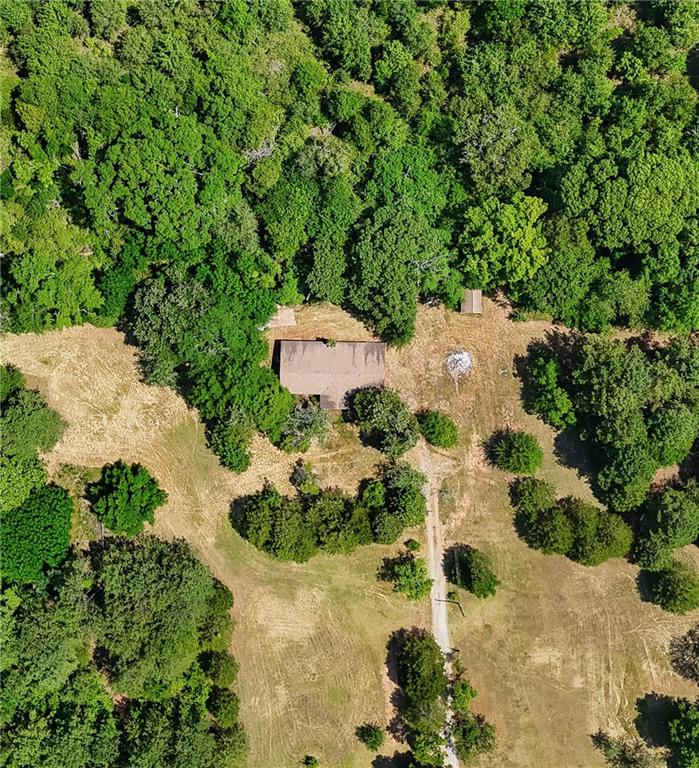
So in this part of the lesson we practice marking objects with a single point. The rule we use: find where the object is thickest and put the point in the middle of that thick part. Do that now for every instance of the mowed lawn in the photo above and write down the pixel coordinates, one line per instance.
(561, 651)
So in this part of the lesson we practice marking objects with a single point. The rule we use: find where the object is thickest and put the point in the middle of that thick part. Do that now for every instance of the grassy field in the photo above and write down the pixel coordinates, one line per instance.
(561, 651)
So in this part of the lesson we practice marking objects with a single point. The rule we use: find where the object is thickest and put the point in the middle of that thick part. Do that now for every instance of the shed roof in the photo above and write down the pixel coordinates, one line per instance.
(472, 303)
(315, 368)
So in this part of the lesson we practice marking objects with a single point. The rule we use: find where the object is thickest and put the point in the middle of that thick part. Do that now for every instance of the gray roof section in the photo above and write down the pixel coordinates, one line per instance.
(472, 303)
(314, 368)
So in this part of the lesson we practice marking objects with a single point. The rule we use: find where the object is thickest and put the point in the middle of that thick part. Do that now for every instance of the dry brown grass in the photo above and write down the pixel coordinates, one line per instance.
(561, 651)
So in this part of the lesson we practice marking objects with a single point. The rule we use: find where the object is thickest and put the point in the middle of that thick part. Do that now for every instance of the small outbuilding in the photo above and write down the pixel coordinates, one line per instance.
(331, 370)
(472, 303)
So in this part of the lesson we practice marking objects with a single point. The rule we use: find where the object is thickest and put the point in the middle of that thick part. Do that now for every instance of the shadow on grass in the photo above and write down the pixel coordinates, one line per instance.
(645, 581)
(654, 713)
(396, 760)
(684, 654)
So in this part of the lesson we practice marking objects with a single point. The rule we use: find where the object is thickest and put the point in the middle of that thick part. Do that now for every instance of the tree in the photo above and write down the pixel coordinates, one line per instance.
(371, 735)
(597, 535)
(306, 422)
(471, 569)
(28, 425)
(684, 733)
(153, 598)
(676, 588)
(125, 497)
(438, 429)
(669, 521)
(625, 753)
(502, 243)
(384, 421)
(672, 429)
(420, 675)
(472, 735)
(517, 452)
(408, 574)
(546, 397)
(36, 534)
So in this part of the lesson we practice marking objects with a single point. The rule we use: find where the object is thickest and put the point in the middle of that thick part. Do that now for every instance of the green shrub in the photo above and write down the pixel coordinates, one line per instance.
(384, 421)
(472, 735)
(412, 545)
(669, 521)
(517, 452)
(543, 394)
(550, 531)
(676, 588)
(35, 534)
(438, 429)
(683, 729)
(125, 497)
(221, 668)
(420, 675)
(531, 495)
(306, 421)
(408, 574)
(597, 535)
(223, 706)
(371, 735)
(230, 441)
(471, 569)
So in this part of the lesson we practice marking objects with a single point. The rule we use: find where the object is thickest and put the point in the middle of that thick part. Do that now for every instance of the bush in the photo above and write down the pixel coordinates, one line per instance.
(394, 501)
(125, 497)
(543, 394)
(306, 421)
(550, 531)
(472, 735)
(517, 452)
(471, 569)
(420, 675)
(597, 535)
(384, 421)
(676, 588)
(684, 733)
(531, 495)
(35, 534)
(371, 735)
(412, 545)
(670, 520)
(625, 753)
(408, 574)
(223, 706)
(230, 441)
(438, 429)
(221, 668)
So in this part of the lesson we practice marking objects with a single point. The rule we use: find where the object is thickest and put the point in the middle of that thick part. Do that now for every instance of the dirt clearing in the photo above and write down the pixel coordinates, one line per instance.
(561, 651)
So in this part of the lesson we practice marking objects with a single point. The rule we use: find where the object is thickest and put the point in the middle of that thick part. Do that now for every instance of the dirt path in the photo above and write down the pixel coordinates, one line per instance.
(438, 595)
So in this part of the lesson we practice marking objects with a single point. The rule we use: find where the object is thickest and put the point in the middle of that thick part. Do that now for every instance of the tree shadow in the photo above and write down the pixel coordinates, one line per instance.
(684, 654)
(570, 451)
(654, 711)
(490, 445)
(645, 582)
(396, 760)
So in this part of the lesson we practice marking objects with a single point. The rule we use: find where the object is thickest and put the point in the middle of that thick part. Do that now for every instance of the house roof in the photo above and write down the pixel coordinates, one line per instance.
(472, 303)
(315, 368)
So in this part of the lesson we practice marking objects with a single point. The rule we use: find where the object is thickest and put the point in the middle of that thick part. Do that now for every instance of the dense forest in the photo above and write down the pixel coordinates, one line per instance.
(179, 168)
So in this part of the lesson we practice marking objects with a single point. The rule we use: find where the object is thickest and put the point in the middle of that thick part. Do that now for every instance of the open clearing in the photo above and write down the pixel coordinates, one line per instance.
(561, 651)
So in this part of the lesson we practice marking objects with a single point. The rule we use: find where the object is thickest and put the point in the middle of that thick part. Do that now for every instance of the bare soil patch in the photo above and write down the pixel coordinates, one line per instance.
(561, 651)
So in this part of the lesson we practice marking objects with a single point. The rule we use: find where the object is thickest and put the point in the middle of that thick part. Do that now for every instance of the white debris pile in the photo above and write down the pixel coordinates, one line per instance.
(458, 364)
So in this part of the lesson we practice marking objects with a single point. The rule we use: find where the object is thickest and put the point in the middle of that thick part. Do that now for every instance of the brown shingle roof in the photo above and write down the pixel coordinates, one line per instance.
(314, 368)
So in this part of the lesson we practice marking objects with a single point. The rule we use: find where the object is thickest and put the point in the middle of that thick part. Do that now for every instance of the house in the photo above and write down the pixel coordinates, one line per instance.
(472, 303)
(331, 370)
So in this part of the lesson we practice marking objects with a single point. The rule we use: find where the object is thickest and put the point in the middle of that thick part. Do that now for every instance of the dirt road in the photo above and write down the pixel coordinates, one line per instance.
(438, 595)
